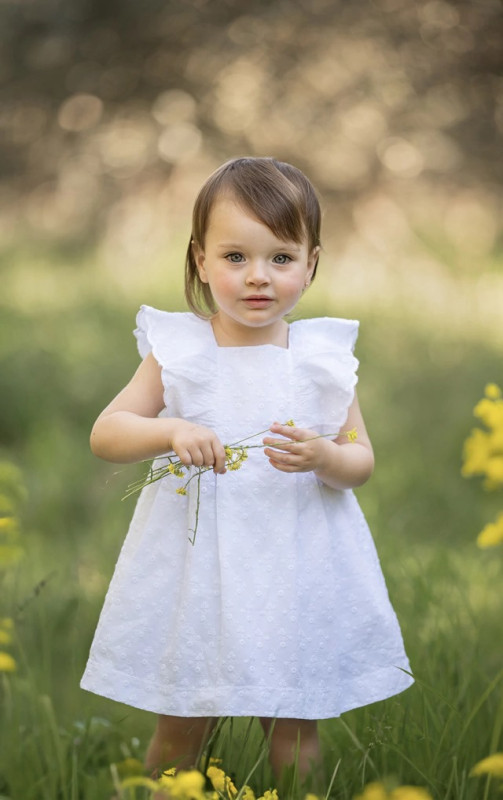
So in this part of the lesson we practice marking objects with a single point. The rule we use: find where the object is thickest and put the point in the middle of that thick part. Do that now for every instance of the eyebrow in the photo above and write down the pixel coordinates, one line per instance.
(282, 245)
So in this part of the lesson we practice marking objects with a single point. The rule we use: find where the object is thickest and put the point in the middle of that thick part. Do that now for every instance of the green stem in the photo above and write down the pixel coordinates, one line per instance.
(194, 530)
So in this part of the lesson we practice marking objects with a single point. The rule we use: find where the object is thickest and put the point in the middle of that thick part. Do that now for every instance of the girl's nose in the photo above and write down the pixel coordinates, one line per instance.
(257, 274)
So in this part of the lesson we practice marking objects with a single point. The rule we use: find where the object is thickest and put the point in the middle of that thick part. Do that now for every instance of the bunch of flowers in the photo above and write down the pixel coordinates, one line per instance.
(483, 455)
(191, 785)
(235, 456)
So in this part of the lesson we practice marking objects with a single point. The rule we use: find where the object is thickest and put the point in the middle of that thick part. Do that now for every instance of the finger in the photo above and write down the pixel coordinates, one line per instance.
(283, 467)
(284, 430)
(197, 457)
(219, 463)
(208, 454)
(279, 444)
(286, 460)
(184, 456)
(294, 434)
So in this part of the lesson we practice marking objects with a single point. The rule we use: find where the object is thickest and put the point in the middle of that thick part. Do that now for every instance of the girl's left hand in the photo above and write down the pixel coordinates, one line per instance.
(305, 450)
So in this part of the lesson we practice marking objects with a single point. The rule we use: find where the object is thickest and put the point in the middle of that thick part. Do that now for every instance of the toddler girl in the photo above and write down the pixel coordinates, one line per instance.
(278, 609)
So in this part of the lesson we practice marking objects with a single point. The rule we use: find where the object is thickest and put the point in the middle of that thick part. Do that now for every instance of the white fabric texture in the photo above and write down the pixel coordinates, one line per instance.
(280, 608)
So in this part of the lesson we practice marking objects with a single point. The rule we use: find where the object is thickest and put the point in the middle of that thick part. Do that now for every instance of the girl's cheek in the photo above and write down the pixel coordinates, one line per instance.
(295, 286)
(223, 283)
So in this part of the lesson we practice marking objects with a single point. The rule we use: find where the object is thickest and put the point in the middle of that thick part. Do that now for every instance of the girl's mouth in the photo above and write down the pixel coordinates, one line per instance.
(257, 301)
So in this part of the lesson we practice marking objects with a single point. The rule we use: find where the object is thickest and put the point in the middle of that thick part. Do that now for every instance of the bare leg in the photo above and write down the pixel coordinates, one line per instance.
(178, 741)
(293, 740)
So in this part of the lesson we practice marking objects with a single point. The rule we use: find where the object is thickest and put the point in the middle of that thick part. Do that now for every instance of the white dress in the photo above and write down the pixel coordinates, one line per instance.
(280, 608)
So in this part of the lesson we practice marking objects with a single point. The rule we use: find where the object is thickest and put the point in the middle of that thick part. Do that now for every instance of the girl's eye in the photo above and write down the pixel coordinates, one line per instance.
(282, 258)
(234, 258)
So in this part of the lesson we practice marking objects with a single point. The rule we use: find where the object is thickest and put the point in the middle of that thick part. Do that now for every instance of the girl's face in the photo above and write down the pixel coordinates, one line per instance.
(255, 278)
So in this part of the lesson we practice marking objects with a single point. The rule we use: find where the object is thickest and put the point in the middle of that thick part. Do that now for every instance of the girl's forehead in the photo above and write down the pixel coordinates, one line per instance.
(227, 209)
(231, 222)
(230, 216)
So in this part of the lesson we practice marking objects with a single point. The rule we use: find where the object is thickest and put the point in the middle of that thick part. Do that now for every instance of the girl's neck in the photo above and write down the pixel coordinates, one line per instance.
(228, 335)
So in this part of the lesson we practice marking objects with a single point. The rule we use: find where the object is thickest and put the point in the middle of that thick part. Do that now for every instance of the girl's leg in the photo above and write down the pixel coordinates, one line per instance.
(178, 742)
(293, 740)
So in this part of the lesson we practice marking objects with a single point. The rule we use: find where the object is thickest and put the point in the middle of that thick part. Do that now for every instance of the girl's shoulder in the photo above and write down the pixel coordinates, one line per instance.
(162, 331)
(325, 333)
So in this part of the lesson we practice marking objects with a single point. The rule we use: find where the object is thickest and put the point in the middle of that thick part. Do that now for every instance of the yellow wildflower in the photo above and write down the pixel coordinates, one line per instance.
(7, 663)
(492, 534)
(494, 472)
(290, 423)
(492, 391)
(492, 765)
(175, 469)
(270, 795)
(247, 793)
(377, 791)
(221, 782)
(217, 777)
(185, 785)
(476, 451)
(373, 791)
(488, 411)
(169, 773)
(352, 435)
(409, 793)
(182, 490)
(311, 797)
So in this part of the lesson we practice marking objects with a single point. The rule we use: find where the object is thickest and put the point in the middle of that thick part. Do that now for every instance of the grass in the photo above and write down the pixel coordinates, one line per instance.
(61, 362)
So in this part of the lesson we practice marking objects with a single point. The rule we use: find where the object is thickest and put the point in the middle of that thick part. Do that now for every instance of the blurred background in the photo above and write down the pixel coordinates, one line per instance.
(112, 114)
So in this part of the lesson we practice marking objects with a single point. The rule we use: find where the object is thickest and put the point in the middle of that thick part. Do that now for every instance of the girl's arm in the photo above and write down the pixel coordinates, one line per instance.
(129, 428)
(339, 463)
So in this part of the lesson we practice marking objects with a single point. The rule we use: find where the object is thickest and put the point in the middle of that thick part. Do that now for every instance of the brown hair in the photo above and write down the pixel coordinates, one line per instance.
(276, 193)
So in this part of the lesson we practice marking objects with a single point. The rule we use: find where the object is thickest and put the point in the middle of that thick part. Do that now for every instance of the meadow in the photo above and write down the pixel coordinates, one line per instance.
(66, 348)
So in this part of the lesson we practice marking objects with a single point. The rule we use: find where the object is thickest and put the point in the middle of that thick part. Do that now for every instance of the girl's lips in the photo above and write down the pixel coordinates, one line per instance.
(257, 301)
(262, 298)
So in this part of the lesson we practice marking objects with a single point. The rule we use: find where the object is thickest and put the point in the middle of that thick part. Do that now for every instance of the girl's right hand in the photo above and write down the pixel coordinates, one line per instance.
(196, 445)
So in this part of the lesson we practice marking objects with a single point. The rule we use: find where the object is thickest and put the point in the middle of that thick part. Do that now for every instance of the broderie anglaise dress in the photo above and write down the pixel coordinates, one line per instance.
(280, 608)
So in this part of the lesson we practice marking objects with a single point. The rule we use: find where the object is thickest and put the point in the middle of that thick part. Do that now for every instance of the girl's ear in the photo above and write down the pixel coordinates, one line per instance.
(198, 253)
(311, 263)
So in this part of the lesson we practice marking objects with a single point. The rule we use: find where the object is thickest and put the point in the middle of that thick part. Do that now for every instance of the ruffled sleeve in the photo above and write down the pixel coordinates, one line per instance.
(326, 371)
(183, 346)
